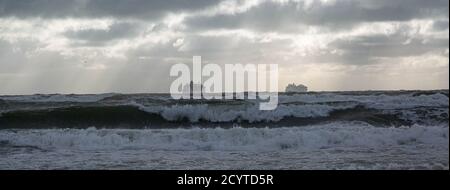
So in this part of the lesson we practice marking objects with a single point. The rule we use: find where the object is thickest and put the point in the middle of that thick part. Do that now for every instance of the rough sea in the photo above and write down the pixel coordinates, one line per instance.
(316, 130)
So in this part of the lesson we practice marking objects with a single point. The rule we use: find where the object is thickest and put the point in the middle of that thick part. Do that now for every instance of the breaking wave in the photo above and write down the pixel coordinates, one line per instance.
(159, 111)
(348, 135)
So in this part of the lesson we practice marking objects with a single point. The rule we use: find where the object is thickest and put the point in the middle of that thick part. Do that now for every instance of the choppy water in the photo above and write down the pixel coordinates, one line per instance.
(365, 130)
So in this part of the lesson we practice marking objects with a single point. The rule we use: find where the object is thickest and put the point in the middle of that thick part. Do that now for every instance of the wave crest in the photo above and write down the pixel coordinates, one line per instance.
(337, 135)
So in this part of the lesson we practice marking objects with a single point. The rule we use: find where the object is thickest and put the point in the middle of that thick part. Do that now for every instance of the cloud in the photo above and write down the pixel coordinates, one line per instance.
(369, 48)
(294, 16)
(140, 9)
(440, 25)
(95, 37)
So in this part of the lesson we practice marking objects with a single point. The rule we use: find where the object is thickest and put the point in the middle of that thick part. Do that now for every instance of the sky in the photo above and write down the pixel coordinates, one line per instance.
(99, 46)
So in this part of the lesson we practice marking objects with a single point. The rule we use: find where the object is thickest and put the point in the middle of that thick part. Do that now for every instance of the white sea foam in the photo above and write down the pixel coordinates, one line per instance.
(195, 113)
(381, 101)
(315, 107)
(336, 135)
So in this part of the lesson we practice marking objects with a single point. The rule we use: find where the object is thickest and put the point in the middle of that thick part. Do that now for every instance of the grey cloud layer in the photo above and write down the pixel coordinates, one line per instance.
(143, 9)
(95, 37)
(291, 17)
(272, 16)
(367, 49)
(441, 25)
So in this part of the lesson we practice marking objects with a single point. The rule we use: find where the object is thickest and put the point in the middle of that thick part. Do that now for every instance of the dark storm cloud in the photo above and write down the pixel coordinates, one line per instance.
(143, 9)
(95, 37)
(271, 16)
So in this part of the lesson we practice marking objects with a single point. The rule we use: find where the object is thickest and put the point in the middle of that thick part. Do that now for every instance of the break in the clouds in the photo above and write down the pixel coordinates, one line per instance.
(91, 46)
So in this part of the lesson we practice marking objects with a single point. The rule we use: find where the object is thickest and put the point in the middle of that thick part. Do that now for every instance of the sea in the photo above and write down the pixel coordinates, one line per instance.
(363, 130)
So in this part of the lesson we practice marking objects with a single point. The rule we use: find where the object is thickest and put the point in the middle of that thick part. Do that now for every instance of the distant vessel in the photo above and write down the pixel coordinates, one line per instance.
(193, 88)
(296, 88)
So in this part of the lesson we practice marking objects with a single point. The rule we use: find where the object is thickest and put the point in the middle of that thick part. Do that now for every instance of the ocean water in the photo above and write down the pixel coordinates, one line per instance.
(332, 130)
